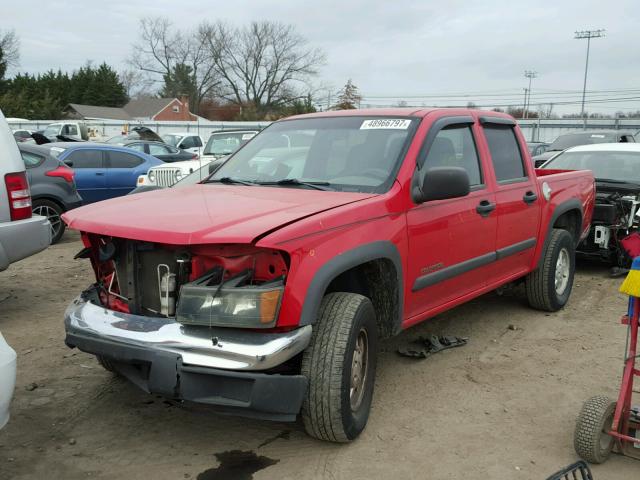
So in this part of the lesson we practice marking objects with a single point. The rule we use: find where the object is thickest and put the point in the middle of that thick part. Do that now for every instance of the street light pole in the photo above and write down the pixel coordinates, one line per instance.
(530, 74)
(581, 35)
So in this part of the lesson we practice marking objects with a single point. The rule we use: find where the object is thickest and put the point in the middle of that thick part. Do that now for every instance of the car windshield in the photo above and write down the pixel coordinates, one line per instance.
(226, 143)
(347, 153)
(52, 130)
(172, 140)
(618, 166)
(575, 139)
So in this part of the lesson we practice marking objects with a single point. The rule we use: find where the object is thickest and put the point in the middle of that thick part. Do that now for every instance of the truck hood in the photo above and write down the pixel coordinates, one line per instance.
(205, 213)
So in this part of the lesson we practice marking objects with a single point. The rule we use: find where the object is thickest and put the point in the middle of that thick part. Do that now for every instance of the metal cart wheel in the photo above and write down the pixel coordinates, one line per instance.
(591, 440)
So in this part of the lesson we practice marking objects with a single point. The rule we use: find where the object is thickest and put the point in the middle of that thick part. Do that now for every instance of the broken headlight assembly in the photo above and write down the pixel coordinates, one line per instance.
(212, 300)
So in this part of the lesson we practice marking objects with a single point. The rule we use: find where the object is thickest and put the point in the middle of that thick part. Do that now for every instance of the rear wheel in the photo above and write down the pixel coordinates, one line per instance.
(549, 287)
(52, 211)
(591, 440)
(340, 364)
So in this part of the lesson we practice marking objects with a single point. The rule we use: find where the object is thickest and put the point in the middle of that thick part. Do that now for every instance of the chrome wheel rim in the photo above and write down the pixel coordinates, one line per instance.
(359, 369)
(563, 267)
(605, 439)
(52, 215)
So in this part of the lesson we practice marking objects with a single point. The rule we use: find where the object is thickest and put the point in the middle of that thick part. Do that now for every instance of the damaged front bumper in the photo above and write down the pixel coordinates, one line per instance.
(218, 366)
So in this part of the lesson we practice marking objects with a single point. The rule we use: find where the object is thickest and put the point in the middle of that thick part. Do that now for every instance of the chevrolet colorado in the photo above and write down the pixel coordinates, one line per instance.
(264, 289)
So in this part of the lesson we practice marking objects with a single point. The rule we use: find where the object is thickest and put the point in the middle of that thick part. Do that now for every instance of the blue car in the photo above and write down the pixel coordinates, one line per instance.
(103, 171)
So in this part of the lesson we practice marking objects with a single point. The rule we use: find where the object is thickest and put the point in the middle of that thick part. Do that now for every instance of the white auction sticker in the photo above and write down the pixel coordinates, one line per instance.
(395, 123)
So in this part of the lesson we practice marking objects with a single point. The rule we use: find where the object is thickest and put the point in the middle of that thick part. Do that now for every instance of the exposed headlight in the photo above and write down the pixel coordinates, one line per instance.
(151, 176)
(177, 175)
(246, 307)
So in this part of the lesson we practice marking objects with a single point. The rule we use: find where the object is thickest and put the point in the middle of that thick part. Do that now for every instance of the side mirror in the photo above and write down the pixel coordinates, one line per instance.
(440, 183)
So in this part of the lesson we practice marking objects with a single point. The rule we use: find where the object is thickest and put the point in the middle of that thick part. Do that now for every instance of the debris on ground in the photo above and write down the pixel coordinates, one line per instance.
(425, 347)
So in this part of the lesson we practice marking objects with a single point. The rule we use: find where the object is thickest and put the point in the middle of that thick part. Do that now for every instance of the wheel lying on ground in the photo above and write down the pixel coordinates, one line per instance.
(590, 438)
(548, 288)
(52, 211)
(340, 364)
(106, 363)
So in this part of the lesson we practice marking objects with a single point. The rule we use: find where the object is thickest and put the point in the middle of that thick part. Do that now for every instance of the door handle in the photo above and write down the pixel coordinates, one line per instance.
(485, 207)
(100, 174)
(529, 197)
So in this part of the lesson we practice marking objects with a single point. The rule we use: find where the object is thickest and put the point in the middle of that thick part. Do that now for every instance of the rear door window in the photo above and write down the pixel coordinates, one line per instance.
(158, 150)
(85, 159)
(31, 160)
(505, 153)
(123, 160)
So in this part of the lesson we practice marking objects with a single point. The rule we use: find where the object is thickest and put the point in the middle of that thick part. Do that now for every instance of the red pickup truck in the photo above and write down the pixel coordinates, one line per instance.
(265, 289)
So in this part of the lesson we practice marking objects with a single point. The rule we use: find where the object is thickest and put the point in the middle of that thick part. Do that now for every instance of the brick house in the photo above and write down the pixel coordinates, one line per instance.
(155, 109)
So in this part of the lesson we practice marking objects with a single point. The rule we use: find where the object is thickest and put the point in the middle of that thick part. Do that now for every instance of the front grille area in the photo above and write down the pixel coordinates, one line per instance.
(166, 176)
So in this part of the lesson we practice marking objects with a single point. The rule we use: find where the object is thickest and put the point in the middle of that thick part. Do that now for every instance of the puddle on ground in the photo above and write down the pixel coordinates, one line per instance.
(237, 465)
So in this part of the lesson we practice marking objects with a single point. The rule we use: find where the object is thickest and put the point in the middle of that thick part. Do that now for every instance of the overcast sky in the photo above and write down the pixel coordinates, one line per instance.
(396, 49)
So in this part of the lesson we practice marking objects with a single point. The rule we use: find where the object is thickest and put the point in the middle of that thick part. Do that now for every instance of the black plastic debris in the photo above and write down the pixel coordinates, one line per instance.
(425, 347)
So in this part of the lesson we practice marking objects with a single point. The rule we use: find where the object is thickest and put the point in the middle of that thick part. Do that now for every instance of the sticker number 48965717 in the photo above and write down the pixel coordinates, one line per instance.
(396, 123)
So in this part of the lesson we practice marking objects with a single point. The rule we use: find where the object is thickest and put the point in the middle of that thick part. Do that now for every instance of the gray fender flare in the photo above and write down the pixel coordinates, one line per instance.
(561, 209)
(345, 261)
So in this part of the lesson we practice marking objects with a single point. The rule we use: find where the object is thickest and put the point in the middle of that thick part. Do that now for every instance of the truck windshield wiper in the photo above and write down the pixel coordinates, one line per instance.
(230, 181)
(298, 182)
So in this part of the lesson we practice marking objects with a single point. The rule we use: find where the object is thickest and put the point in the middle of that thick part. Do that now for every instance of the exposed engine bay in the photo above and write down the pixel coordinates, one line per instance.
(214, 285)
(614, 235)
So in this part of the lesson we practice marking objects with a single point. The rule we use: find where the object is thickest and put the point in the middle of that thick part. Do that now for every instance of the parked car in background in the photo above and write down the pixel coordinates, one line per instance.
(161, 151)
(53, 188)
(225, 142)
(102, 170)
(195, 177)
(184, 141)
(75, 130)
(136, 133)
(7, 379)
(23, 135)
(583, 138)
(614, 235)
(22, 234)
(537, 148)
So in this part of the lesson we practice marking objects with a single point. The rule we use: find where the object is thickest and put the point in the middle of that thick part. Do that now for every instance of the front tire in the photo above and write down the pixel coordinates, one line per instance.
(340, 364)
(549, 287)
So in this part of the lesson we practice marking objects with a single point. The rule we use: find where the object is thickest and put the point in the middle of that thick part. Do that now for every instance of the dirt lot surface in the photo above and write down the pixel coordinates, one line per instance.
(502, 407)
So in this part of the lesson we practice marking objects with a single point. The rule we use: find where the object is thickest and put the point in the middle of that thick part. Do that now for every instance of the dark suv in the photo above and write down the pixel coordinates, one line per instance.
(53, 188)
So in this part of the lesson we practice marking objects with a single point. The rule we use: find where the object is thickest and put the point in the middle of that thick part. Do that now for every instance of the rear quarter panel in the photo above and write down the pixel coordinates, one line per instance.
(11, 162)
(569, 190)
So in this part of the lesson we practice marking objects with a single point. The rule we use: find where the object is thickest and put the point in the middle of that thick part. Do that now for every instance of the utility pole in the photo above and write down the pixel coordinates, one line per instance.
(530, 74)
(581, 35)
(524, 105)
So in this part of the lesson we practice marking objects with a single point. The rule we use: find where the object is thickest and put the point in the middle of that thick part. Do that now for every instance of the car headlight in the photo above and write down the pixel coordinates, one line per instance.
(245, 307)
(151, 176)
(177, 175)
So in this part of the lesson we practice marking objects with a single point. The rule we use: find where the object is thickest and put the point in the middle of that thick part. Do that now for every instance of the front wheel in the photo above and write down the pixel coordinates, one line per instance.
(549, 287)
(340, 364)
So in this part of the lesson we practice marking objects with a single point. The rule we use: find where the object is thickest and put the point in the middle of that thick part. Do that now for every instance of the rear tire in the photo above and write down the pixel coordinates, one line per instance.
(590, 440)
(52, 211)
(549, 287)
(340, 364)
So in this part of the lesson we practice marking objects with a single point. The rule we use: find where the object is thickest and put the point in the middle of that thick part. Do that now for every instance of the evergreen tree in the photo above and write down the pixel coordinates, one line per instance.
(348, 98)
(181, 81)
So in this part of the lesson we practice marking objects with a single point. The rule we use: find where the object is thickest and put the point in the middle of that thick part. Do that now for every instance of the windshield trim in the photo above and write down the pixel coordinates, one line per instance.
(380, 189)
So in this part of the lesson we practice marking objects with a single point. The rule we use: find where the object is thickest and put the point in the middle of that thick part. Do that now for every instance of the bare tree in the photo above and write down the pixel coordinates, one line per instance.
(264, 65)
(136, 83)
(161, 50)
(9, 51)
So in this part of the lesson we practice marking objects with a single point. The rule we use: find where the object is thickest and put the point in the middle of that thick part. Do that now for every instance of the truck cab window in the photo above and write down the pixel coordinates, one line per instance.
(505, 153)
(454, 147)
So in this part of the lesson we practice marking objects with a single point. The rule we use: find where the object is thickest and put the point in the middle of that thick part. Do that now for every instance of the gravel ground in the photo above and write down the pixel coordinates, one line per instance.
(501, 407)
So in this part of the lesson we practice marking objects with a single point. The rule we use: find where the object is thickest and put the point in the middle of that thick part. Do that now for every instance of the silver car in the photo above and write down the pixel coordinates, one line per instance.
(21, 233)
(7, 379)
